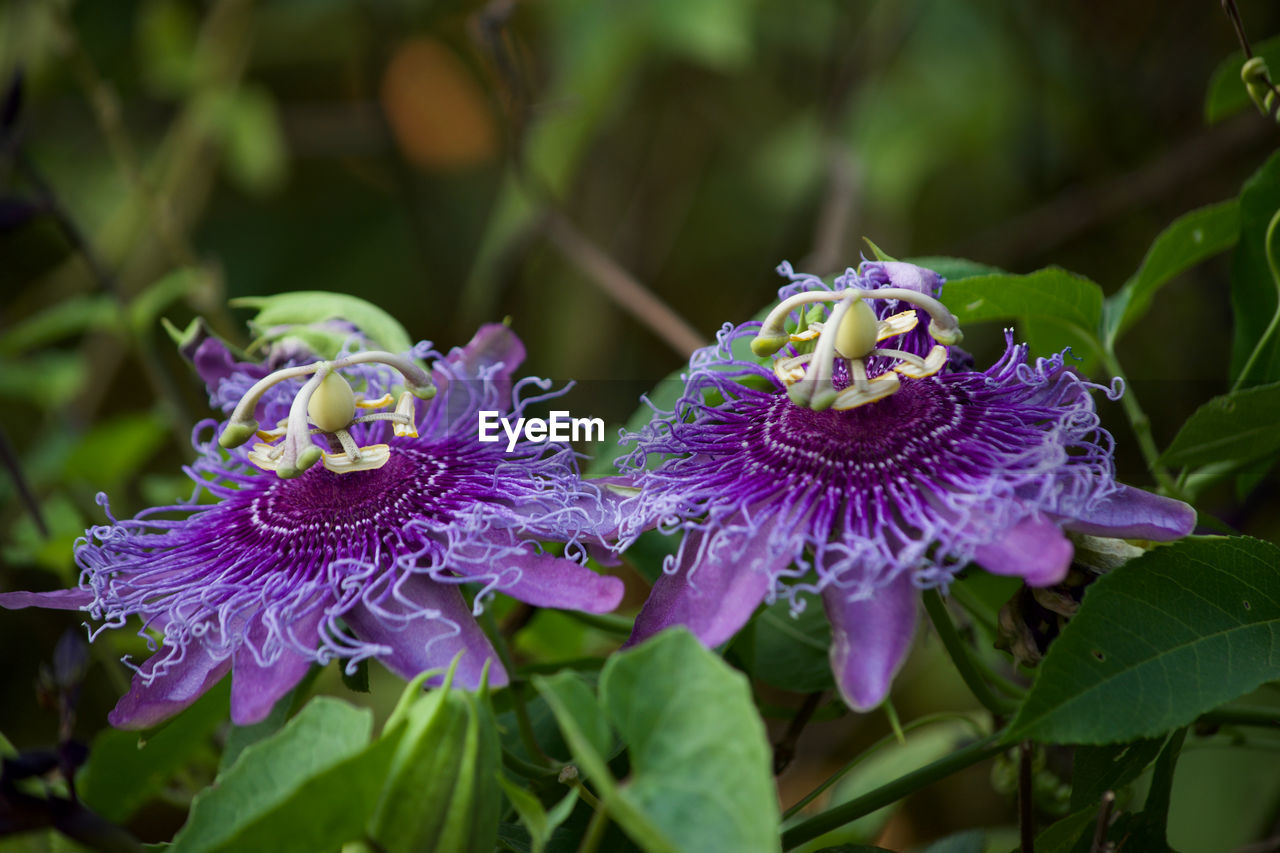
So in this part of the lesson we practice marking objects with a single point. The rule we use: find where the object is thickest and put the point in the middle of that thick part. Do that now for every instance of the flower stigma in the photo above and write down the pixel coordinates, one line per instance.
(851, 335)
(328, 406)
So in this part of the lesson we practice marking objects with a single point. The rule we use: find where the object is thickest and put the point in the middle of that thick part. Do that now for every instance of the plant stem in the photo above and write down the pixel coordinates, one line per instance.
(784, 751)
(595, 832)
(1140, 424)
(1104, 821)
(892, 737)
(523, 723)
(959, 652)
(1026, 806)
(979, 750)
(520, 767)
(1270, 333)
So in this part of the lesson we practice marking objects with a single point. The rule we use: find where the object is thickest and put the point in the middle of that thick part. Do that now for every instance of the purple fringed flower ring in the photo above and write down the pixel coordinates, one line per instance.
(867, 464)
(353, 550)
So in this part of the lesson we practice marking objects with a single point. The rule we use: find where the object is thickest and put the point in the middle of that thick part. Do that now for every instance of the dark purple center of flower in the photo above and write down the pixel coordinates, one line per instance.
(901, 433)
(326, 514)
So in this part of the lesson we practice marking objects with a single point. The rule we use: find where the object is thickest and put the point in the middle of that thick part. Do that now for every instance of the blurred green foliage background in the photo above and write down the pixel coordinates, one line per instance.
(461, 162)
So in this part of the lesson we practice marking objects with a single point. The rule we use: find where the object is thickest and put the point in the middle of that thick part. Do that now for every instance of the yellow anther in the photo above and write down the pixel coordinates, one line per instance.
(790, 370)
(270, 435)
(807, 335)
(407, 428)
(371, 457)
(897, 324)
(859, 394)
(384, 400)
(856, 336)
(333, 404)
(265, 456)
(932, 363)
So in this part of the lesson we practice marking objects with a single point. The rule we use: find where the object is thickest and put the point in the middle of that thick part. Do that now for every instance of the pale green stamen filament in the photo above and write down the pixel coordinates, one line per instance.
(327, 403)
(852, 333)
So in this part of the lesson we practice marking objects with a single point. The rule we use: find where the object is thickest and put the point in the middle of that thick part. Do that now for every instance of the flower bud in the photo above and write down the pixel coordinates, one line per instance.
(442, 789)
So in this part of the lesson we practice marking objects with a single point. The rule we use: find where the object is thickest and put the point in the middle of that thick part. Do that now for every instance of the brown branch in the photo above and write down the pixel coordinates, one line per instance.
(1099, 844)
(621, 286)
(1026, 800)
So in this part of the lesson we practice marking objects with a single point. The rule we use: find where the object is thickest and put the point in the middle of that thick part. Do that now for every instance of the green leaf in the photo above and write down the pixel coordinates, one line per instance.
(311, 786)
(358, 681)
(113, 452)
(1070, 834)
(955, 269)
(1237, 428)
(1253, 289)
(126, 769)
(304, 307)
(166, 40)
(881, 767)
(715, 33)
(689, 724)
(539, 821)
(790, 652)
(1159, 641)
(568, 693)
(61, 320)
(878, 252)
(1050, 294)
(663, 397)
(1189, 239)
(49, 380)
(145, 308)
(1227, 95)
(969, 841)
(1149, 830)
(1098, 769)
(256, 151)
(65, 524)
(240, 738)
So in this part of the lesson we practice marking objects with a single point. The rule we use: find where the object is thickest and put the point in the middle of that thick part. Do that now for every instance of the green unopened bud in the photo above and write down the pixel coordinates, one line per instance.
(237, 433)
(442, 789)
(1254, 75)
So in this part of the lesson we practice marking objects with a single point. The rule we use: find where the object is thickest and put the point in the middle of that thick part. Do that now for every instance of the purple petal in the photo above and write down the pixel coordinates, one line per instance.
(714, 590)
(495, 351)
(255, 689)
(912, 277)
(1033, 549)
(176, 687)
(215, 363)
(426, 624)
(58, 599)
(870, 639)
(544, 580)
(1131, 513)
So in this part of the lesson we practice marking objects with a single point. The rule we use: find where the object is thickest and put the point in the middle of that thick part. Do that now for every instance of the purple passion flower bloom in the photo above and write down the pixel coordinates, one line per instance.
(353, 552)
(869, 463)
